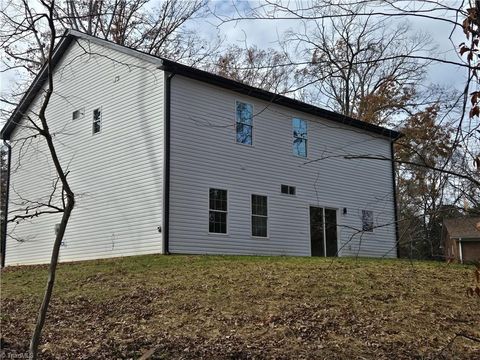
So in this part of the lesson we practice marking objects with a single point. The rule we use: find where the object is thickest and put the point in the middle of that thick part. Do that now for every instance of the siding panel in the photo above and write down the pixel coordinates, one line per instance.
(116, 174)
(204, 154)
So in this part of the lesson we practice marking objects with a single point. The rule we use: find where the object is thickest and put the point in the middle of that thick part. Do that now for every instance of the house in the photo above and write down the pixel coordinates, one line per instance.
(165, 158)
(461, 238)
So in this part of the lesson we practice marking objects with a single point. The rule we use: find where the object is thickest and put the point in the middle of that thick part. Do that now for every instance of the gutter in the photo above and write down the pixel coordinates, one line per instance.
(166, 163)
(395, 204)
(3, 240)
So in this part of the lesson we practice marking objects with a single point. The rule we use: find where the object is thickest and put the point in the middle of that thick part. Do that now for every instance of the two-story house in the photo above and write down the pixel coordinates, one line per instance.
(165, 158)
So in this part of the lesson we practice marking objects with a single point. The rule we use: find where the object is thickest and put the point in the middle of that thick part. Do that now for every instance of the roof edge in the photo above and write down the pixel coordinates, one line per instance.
(201, 75)
(175, 67)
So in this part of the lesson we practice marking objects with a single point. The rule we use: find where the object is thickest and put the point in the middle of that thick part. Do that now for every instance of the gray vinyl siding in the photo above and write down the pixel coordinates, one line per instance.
(117, 174)
(204, 155)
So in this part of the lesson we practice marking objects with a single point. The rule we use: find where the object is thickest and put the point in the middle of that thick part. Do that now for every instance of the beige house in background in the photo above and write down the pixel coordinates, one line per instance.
(461, 237)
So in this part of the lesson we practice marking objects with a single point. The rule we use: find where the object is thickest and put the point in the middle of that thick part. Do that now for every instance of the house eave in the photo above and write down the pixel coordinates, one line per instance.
(174, 67)
(200, 75)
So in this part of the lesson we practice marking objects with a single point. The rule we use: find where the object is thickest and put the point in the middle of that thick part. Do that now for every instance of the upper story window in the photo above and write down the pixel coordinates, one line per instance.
(217, 221)
(97, 121)
(244, 123)
(300, 138)
(259, 216)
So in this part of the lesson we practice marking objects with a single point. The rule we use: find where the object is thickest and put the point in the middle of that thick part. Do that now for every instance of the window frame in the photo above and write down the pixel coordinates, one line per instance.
(221, 211)
(297, 137)
(264, 216)
(236, 122)
(100, 121)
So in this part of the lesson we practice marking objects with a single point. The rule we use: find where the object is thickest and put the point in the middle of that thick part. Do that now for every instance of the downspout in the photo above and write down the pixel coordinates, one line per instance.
(166, 163)
(395, 205)
(460, 252)
(3, 240)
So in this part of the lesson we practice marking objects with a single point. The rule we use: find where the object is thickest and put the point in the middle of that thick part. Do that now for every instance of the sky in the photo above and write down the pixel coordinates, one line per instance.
(266, 33)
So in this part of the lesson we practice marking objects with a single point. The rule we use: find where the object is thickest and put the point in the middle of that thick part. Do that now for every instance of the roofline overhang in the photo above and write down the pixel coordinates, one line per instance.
(174, 67)
(204, 76)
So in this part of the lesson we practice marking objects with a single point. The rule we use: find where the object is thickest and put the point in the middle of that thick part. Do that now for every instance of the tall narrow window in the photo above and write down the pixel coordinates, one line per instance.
(259, 216)
(244, 123)
(97, 121)
(299, 128)
(217, 222)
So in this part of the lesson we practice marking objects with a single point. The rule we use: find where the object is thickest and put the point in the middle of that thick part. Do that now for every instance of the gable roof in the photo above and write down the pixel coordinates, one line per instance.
(187, 71)
(464, 228)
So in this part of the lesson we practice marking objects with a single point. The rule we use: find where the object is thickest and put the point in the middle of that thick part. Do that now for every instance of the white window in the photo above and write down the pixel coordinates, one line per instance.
(244, 123)
(259, 216)
(218, 210)
(300, 138)
(97, 121)
(367, 220)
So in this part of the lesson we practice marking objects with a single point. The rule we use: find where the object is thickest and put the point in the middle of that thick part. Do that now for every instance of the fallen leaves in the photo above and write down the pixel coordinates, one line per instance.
(247, 308)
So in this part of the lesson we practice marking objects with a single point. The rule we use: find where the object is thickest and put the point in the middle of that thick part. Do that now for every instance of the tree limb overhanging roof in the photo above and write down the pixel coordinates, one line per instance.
(463, 228)
(187, 71)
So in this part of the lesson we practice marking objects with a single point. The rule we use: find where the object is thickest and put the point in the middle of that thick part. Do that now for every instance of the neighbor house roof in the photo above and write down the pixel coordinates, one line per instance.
(465, 228)
(177, 68)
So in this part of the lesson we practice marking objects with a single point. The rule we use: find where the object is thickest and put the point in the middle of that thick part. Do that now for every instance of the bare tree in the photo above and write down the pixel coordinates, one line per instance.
(160, 29)
(38, 125)
(360, 67)
(256, 67)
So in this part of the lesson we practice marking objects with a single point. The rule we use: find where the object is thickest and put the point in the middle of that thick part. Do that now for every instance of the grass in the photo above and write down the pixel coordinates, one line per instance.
(245, 307)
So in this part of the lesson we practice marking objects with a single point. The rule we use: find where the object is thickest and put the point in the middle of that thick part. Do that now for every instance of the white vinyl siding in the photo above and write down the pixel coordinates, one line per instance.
(204, 156)
(116, 175)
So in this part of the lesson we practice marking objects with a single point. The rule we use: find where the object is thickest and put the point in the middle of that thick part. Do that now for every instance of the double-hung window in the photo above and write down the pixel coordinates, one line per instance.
(244, 123)
(300, 137)
(217, 222)
(259, 216)
(97, 121)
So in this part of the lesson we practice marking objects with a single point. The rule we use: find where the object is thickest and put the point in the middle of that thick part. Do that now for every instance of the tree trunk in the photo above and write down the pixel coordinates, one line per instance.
(42, 313)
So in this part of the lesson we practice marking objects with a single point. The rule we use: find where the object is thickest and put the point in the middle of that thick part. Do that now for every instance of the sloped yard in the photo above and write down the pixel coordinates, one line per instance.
(220, 307)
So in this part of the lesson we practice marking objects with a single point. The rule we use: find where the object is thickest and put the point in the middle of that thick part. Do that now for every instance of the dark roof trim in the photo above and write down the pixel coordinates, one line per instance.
(192, 73)
(236, 86)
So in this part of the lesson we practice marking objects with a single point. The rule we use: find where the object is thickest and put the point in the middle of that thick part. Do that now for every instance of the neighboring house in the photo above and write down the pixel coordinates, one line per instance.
(461, 237)
(164, 158)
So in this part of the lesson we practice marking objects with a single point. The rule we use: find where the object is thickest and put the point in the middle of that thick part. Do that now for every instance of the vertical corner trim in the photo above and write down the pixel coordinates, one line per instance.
(166, 162)
(3, 239)
(395, 204)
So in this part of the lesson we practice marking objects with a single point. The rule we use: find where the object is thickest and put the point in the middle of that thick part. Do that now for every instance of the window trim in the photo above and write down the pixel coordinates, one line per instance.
(100, 121)
(208, 212)
(252, 215)
(294, 137)
(235, 122)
